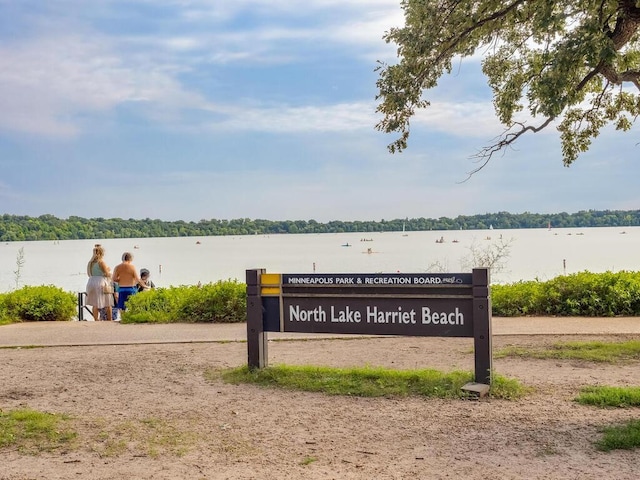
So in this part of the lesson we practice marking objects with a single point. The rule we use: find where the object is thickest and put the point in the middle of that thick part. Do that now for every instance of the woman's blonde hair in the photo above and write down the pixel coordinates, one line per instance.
(98, 253)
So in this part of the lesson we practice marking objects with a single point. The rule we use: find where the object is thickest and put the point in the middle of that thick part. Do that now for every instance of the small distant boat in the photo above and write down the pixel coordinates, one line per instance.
(346, 244)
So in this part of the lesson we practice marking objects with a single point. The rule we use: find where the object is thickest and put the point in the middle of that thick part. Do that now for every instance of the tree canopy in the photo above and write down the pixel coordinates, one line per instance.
(574, 63)
(47, 227)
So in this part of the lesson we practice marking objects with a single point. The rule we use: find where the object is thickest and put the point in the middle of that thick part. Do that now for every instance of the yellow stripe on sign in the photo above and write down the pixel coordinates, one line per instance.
(270, 283)
(270, 291)
(270, 279)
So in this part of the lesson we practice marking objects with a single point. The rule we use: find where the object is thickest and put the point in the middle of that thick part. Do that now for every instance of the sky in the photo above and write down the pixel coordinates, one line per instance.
(261, 109)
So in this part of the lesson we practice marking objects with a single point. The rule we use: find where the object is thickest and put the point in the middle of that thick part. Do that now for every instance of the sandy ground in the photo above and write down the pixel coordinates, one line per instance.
(150, 412)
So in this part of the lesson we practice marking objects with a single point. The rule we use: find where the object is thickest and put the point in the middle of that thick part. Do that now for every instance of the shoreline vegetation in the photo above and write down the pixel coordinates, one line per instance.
(48, 227)
(583, 294)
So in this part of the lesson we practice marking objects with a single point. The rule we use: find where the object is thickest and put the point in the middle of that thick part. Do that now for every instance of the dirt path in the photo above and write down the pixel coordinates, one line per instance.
(112, 333)
(150, 412)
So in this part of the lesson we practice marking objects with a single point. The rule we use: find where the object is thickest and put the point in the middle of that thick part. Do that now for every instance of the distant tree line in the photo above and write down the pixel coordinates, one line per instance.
(48, 227)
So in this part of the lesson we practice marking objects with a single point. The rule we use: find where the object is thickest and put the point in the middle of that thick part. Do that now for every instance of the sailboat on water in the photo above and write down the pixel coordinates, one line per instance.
(403, 231)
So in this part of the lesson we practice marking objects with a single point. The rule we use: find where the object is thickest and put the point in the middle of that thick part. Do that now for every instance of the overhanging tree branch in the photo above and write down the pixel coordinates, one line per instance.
(505, 140)
(553, 55)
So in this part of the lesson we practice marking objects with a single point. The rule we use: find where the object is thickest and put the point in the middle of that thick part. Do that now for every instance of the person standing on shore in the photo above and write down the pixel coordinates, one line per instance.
(99, 289)
(126, 277)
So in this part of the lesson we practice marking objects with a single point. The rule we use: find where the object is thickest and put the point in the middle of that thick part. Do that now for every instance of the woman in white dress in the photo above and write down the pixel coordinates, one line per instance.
(99, 287)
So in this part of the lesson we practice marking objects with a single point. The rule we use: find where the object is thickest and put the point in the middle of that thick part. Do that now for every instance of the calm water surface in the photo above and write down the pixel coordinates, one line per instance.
(533, 253)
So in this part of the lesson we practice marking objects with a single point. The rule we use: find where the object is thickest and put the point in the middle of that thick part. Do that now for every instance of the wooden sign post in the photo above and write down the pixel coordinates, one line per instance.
(421, 304)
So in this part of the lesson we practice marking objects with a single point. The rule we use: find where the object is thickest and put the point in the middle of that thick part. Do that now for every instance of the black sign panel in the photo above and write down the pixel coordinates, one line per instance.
(446, 317)
(421, 304)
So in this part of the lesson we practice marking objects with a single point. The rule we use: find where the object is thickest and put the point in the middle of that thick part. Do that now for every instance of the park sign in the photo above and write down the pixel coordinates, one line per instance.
(420, 304)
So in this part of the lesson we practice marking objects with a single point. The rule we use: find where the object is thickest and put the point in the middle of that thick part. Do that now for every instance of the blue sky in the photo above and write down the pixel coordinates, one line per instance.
(199, 109)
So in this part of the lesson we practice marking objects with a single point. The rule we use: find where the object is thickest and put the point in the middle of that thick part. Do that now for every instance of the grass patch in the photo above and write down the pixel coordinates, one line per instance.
(625, 437)
(606, 352)
(369, 382)
(150, 437)
(32, 432)
(616, 397)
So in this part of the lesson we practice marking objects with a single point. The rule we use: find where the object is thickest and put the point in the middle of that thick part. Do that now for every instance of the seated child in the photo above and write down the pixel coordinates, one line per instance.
(148, 283)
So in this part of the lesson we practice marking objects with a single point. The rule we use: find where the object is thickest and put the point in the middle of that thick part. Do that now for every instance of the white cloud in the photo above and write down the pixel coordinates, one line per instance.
(207, 9)
(283, 119)
(46, 83)
(357, 25)
(50, 81)
(465, 119)
(469, 119)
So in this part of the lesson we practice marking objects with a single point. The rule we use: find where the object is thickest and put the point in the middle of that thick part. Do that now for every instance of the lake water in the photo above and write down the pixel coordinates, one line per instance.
(533, 253)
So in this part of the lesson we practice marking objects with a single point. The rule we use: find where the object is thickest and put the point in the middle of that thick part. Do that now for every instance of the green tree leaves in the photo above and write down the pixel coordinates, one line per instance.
(574, 61)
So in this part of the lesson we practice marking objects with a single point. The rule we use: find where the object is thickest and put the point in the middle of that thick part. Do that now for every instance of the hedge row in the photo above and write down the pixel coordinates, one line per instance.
(221, 302)
(582, 294)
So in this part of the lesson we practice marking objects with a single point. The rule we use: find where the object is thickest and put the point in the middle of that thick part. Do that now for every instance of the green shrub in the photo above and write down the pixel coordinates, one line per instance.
(153, 306)
(582, 294)
(43, 303)
(517, 299)
(4, 316)
(220, 302)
